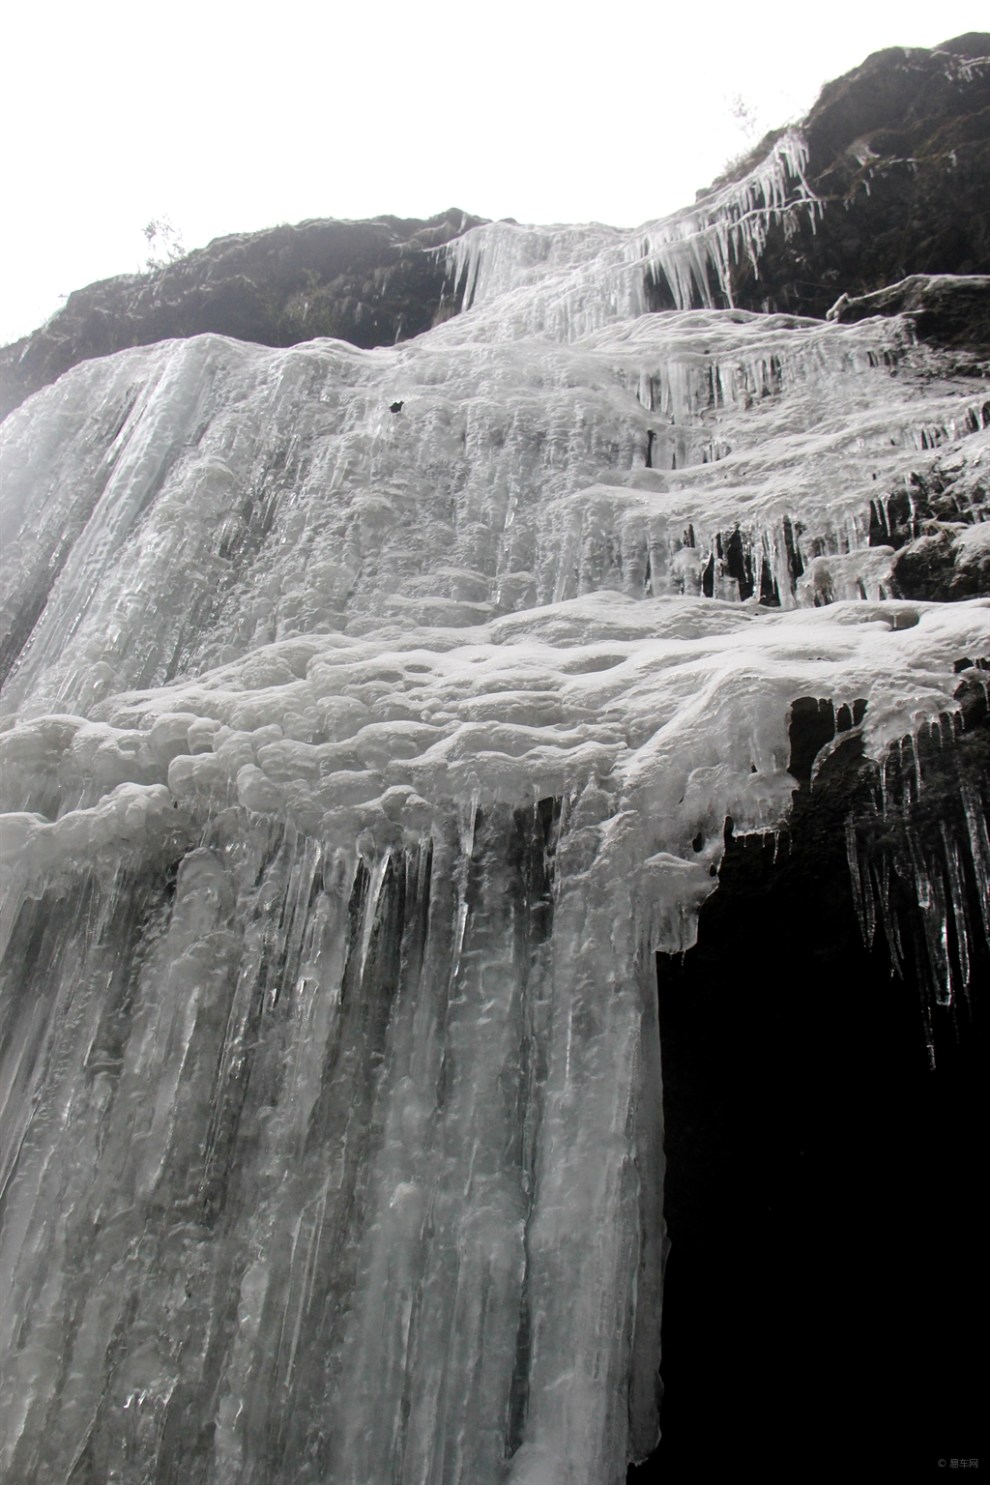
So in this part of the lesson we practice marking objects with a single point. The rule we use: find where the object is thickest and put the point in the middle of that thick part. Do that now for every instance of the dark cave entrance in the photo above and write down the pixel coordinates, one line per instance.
(821, 1312)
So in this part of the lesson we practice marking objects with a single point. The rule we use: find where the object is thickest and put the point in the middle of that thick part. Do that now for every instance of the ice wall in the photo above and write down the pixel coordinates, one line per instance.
(356, 762)
(588, 276)
(305, 1185)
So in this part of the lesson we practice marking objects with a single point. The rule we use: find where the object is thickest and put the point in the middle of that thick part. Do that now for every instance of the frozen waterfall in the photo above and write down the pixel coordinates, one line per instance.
(356, 763)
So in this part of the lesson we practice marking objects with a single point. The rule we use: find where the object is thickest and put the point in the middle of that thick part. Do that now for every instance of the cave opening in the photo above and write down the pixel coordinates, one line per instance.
(825, 1252)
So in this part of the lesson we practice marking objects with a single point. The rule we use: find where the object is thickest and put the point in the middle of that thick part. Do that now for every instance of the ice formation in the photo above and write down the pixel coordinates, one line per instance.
(356, 764)
(589, 276)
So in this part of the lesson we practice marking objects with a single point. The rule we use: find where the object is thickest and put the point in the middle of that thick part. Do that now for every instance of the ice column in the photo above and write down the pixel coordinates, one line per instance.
(327, 1169)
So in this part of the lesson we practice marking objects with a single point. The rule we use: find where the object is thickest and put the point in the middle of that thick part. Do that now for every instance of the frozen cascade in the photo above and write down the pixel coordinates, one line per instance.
(381, 1122)
(356, 763)
(589, 275)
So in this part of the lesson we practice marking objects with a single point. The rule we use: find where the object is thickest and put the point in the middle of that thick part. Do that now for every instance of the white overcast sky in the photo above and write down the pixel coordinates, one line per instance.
(226, 118)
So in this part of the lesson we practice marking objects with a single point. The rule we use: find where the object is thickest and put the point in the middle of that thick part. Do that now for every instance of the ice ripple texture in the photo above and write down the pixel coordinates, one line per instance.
(356, 763)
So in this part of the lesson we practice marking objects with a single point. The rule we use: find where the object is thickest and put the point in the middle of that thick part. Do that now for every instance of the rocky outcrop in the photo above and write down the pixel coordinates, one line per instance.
(899, 157)
(937, 530)
(946, 309)
(370, 283)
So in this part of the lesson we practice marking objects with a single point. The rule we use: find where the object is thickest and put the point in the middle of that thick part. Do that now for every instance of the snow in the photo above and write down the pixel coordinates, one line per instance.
(355, 766)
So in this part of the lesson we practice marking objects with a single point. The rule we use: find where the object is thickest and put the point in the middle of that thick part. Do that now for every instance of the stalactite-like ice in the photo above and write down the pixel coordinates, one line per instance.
(942, 873)
(355, 765)
(590, 275)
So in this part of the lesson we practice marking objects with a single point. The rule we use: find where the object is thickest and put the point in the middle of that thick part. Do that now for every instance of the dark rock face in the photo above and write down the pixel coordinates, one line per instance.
(935, 525)
(947, 309)
(930, 570)
(899, 154)
(370, 283)
(825, 1238)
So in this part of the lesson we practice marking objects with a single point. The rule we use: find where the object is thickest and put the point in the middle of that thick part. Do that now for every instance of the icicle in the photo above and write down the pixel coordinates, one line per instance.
(376, 881)
(979, 847)
(859, 880)
(888, 918)
(957, 902)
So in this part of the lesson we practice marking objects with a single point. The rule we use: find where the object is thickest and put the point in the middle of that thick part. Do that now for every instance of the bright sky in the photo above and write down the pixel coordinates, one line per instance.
(226, 118)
